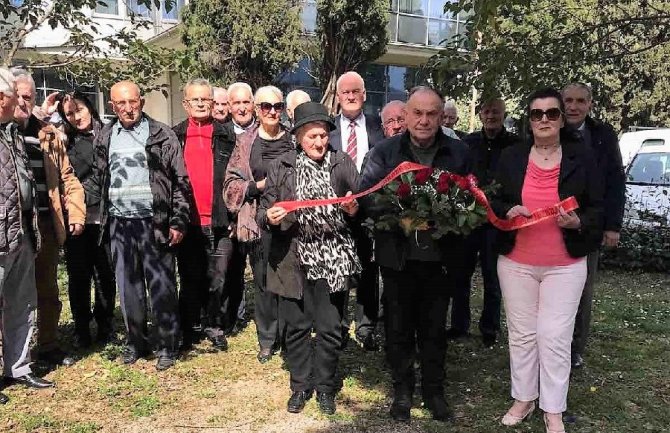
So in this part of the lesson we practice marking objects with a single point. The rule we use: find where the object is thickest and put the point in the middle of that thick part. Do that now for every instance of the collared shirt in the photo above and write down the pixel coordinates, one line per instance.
(129, 190)
(239, 129)
(362, 145)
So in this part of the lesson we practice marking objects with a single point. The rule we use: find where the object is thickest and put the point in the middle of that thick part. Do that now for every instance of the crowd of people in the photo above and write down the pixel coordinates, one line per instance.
(136, 204)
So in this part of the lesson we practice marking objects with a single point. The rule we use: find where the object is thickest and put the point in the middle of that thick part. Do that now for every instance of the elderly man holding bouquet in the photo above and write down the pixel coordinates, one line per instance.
(417, 255)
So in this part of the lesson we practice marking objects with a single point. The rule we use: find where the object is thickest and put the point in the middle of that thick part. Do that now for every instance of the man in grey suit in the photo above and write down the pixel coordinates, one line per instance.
(356, 134)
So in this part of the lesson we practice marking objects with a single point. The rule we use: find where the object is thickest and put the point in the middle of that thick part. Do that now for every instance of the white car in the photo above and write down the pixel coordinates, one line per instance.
(648, 186)
(630, 143)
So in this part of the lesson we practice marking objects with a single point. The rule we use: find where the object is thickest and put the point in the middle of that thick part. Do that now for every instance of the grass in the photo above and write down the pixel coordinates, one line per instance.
(625, 386)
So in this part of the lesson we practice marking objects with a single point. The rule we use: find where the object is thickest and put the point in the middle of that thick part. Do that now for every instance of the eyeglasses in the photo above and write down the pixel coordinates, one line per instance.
(399, 121)
(199, 101)
(133, 103)
(552, 114)
(266, 107)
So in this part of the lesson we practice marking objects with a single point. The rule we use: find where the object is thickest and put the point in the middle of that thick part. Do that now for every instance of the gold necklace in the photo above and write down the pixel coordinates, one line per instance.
(546, 156)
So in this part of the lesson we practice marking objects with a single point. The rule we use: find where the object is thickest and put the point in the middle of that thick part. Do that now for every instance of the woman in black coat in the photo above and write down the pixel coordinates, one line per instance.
(85, 258)
(542, 267)
(312, 255)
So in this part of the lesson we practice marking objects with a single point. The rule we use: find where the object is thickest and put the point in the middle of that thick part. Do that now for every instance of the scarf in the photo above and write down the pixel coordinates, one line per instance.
(325, 244)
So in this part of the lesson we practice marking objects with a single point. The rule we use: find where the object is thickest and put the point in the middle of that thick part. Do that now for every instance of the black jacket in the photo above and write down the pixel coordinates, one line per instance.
(284, 274)
(373, 125)
(605, 145)
(167, 175)
(578, 177)
(391, 248)
(223, 142)
(485, 152)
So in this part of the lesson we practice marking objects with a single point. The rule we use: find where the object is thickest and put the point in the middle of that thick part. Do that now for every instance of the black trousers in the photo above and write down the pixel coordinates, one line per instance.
(142, 265)
(312, 362)
(86, 260)
(480, 243)
(415, 309)
(204, 257)
(583, 319)
(269, 325)
(234, 303)
(368, 292)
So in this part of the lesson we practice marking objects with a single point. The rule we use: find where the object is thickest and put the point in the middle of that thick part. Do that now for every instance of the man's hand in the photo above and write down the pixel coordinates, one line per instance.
(518, 210)
(175, 237)
(568, 220)
(260, 185)
(275, 215)
(76, 229)
(351, 206)
(611, 238)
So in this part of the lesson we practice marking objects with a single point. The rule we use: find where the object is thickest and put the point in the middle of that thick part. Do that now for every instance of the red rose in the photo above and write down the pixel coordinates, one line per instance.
(461, 182)
(443, 183)
(404, 190)
(422, 176)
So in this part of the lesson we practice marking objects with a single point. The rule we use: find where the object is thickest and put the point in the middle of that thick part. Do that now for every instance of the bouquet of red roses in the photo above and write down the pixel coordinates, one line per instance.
(430, 199)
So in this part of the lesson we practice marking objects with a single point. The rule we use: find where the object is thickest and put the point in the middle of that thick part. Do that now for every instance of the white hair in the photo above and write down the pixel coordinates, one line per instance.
(217, 90)
(7, 81)
(199, 82)
(240, 85)
(450, 104)
(272, 89)
(390, 104)
(21, 74)
(350, 74)
(297, 97)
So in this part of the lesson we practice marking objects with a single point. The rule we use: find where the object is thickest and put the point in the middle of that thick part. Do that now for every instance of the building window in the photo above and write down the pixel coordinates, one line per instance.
(48, 81)
(109, 7)
(309, 16)
(422, 22)
(173, 14)
(138, 9)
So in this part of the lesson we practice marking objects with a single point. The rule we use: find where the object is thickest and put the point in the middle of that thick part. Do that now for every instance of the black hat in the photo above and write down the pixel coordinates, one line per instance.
(308, 112)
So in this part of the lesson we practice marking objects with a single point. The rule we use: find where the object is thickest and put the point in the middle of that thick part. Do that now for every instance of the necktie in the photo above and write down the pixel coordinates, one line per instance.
(351, 143)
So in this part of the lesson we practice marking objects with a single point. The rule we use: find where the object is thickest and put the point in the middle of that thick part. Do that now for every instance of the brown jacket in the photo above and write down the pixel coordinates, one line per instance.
(63, 186)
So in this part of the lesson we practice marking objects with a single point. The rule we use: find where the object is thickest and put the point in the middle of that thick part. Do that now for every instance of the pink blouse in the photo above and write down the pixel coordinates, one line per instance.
(541, 244)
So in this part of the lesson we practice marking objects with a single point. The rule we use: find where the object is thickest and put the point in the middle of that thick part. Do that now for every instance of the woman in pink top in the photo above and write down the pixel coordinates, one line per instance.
(542, 268)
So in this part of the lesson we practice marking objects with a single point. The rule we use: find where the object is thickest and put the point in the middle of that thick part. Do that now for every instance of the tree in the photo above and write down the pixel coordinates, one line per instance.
(89, 52)
(618, 47)
(240, 40)
(348, 34)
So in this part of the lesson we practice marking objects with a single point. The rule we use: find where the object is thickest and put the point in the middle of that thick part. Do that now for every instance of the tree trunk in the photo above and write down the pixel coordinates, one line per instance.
(328, 99)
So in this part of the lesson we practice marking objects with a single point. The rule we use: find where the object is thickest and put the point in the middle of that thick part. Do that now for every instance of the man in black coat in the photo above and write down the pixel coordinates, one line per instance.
(415, 269)
(356, 134)
(602, 139)
(207, 250)
(485, 148)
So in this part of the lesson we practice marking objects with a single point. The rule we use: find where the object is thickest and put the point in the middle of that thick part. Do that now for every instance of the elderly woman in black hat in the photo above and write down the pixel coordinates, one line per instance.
(312, 255)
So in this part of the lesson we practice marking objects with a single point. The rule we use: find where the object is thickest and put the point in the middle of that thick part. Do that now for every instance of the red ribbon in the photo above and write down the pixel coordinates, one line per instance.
(542, 214)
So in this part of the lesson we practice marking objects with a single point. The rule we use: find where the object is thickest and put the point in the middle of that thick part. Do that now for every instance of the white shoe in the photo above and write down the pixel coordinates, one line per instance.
(512, 420)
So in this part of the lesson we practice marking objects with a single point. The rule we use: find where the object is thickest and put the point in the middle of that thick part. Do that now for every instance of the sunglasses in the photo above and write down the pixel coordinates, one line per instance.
(552, 114)
(266, 107)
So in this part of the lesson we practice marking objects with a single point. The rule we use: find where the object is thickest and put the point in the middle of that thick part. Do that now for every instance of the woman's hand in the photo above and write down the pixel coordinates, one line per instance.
(275, 214)
(351, 206)
(568, 220)
(518, 210)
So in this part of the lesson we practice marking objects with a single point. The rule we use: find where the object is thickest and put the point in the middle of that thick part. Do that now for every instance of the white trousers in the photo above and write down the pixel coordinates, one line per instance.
(541, 304)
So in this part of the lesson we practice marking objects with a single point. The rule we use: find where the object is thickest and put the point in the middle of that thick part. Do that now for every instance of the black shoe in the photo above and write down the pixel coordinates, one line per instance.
(32, 381)
(402, 404)
(370, 343)
(220, 342)
(437, 405)
(326, 402)
(3, 398)
(56, 357)
(455, 334)
(130, 355)
(164, 362)
(297, 401)
(264, 355)
(577, 361)
(489, 340)
(238, 328)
